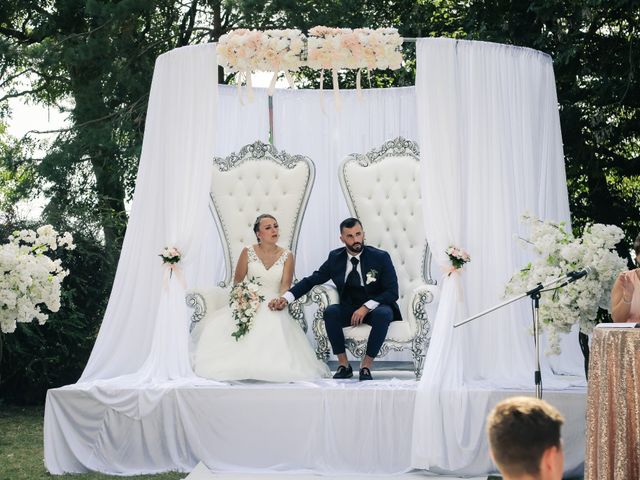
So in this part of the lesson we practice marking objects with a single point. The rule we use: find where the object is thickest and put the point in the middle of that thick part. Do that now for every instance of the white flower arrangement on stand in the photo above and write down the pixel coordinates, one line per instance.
(559, 252)
(30, 281)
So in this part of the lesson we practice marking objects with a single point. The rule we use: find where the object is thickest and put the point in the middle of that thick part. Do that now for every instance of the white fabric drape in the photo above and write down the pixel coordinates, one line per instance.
(491, 149)
(486, 118)
(145, 329)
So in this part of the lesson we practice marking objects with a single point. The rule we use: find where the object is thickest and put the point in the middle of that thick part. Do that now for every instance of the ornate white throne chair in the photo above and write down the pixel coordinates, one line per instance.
(258, 179)
(382, 189)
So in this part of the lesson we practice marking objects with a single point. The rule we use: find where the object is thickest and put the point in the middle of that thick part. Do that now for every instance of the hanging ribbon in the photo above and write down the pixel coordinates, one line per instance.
(358, 87)
(249, 86)
(168, 273)
(336, 89)
(239, 87)
(451, 270)
(287, 75)
(322, 91)
(272, 84)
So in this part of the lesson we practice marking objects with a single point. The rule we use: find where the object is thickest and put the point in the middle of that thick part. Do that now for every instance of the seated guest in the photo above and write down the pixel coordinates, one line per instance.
(625, 295)
(524, 439)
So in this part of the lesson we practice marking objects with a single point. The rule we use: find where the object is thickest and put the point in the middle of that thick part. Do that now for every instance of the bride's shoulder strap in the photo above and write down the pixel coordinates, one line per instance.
(251, 253)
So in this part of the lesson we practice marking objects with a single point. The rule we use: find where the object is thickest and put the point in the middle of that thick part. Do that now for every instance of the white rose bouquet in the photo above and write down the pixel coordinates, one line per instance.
(244, 301)
(30, 281)
(559, 252)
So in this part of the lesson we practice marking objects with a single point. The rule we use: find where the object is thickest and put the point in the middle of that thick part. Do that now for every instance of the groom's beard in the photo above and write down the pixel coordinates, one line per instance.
(355, 248)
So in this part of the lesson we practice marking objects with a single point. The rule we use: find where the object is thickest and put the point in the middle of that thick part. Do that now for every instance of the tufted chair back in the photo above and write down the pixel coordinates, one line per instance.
(258, 180)
(382, 189)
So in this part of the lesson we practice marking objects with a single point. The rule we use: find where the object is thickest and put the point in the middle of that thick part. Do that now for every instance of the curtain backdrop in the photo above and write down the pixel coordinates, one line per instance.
(486, 119)
(491, 149)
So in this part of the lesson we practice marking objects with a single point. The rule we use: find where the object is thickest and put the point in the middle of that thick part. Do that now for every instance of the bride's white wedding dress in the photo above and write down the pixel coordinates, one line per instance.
(274, 349)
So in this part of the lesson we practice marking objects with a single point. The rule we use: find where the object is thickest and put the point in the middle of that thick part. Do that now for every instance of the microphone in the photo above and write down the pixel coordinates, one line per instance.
(578, 274)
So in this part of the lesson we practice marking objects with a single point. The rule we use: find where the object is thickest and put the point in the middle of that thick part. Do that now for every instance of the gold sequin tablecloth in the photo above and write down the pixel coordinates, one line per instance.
(613, 405)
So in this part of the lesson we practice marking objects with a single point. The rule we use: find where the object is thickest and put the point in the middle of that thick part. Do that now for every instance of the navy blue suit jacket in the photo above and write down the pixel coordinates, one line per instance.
(383, 290)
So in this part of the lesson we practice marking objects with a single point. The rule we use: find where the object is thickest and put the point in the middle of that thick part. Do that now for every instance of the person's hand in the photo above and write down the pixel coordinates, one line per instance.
(626, 282)
(358, 316)
(278, 303)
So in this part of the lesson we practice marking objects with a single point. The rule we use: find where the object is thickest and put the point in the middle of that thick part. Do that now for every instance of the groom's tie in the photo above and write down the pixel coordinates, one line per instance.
(353, 279)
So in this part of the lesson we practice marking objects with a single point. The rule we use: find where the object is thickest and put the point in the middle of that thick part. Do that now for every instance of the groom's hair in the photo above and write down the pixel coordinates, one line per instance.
(349, 223)
(520, 430)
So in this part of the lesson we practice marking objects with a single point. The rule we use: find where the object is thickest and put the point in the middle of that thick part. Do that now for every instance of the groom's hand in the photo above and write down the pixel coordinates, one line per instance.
(358, 316)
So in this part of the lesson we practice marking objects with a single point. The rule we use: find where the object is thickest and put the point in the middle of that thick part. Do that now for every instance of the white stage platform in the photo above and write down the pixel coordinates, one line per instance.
(329, 427)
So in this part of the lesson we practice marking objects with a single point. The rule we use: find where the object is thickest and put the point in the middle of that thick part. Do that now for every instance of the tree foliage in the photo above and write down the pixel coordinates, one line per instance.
(93, 60)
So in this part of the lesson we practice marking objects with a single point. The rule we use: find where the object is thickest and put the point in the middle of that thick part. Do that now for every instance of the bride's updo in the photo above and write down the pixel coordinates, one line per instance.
(256, 225)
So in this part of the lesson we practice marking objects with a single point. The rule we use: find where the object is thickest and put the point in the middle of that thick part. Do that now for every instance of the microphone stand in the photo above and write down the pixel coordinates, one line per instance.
(534, 294)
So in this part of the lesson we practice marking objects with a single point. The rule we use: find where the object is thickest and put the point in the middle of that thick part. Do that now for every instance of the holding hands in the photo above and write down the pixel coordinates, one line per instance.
(278, 303)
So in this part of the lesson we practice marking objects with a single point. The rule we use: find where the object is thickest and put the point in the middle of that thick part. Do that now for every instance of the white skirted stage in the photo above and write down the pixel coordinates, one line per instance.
(485, 118)
(330, 427)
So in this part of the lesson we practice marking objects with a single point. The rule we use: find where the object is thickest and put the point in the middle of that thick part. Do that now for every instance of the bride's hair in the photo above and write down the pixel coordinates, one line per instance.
(256, 225)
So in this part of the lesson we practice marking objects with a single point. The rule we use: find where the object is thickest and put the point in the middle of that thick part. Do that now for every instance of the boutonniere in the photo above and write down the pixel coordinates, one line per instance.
(372, 276)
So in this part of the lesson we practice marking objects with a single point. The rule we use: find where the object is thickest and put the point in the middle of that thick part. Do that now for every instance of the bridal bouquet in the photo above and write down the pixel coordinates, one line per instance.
(30, 280)
(559, 252)
(244, 301)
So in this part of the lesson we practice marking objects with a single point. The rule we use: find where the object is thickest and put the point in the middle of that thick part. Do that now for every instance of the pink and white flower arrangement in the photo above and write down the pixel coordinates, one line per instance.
(244, 300)
(338, 48)
(559, 252)
(30, 280)
(246, 51)
(170, 255)
(458, 257)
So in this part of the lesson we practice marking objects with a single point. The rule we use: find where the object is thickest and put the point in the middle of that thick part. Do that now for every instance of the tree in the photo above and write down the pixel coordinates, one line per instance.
(594, 46)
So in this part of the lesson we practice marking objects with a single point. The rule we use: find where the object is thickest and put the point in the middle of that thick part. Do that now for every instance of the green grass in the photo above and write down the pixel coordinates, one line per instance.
(22, 451)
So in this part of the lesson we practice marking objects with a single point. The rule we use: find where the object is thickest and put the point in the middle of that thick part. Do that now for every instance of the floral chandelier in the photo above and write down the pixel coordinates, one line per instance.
(245, 51)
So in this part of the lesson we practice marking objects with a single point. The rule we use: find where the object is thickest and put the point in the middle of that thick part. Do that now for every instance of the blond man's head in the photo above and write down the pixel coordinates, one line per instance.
(524, 438)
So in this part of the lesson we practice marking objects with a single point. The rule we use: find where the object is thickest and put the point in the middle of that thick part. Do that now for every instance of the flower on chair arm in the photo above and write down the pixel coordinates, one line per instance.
(559, 252)
(372, 276)
(244, 301)
(458, 257)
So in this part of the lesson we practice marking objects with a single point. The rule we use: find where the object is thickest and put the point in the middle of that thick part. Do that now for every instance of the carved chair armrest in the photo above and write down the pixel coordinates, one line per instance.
(421, 297)
(203, 301)
(323, 296)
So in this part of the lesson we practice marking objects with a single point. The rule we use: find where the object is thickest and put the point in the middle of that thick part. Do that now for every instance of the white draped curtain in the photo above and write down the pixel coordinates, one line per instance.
(486, 119)
(145, 329)
(498, 145)
(489, 134)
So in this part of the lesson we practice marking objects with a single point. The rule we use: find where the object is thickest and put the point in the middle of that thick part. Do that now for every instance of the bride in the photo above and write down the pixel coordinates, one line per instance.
(275, 348)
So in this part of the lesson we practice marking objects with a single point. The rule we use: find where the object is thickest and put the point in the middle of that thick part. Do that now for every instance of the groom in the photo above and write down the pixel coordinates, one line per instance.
(368, 288)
